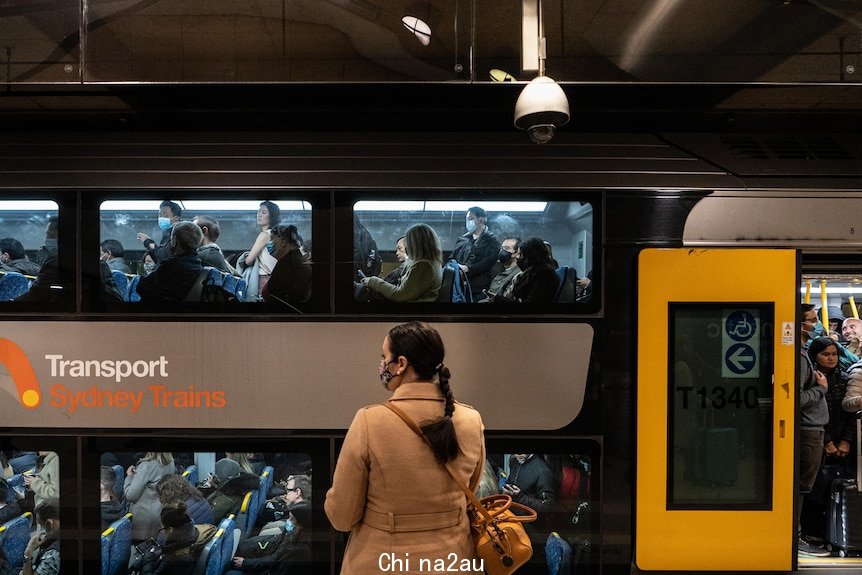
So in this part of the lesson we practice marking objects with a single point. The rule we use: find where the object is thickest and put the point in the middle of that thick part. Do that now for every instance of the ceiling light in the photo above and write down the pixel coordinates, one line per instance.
(418, 28)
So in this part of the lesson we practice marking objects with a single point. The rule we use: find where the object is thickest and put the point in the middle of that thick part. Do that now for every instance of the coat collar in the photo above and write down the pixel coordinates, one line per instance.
(417, 390)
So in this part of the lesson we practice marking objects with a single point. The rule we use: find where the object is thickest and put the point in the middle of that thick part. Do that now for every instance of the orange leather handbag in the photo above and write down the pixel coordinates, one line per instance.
(498, 532)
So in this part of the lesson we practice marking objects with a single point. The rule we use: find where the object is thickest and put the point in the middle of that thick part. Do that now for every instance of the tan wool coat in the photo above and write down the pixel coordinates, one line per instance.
(404, 512)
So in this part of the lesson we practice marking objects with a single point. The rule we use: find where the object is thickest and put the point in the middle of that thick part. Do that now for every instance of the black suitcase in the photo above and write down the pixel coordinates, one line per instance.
(844, 516)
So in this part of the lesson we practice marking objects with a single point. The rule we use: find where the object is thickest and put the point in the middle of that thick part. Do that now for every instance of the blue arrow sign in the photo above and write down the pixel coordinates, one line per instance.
(740, 358)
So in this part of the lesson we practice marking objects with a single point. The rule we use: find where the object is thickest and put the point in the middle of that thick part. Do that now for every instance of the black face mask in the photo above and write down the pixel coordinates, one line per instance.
(504, 257)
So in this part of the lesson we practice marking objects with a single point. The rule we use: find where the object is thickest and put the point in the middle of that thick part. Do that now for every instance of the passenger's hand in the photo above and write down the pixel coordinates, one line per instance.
(830, 449)
(237, 562)
(820, 379)
(464, 268)
(28, 479)
(843, 448)
(142, 237)
(511, 490)
(35, 540)
(131, 470)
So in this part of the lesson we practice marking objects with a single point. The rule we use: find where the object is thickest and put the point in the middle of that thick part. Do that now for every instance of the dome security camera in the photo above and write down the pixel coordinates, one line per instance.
(541, 108)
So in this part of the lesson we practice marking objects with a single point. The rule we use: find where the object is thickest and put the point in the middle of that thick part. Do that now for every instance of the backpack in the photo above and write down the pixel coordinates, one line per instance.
(460, 285)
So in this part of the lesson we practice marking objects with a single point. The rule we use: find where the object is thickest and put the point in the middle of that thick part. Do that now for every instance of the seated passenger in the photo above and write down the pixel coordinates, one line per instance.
(13, 258)
(245, 463)
(290, 281)
(209, 252)
(394, 276)
(175, 489)
(47, 285)
(169, 216)
(22, 461)
(424, 272)
(183, 543)
(111, 252)
(5, 466)
(231, 484)
(290, 553)
(538, 282)
(42, 554)
(502, 280)
(110, 507)
(176, 275)
(148, 263)
(297, 495)
(8, 511)
(139, 489)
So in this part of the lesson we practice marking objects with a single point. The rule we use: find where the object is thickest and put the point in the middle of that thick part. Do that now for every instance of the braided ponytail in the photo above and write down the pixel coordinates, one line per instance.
(422, 346)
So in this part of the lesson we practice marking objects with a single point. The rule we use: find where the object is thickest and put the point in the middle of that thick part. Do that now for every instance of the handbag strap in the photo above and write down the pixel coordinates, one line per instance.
(471, 497)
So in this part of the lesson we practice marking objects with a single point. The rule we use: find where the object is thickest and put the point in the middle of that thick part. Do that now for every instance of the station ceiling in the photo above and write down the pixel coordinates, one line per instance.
(623, 56)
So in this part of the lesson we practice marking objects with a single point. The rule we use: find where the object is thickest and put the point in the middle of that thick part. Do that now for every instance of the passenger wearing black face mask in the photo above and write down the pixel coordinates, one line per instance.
(538, 282)
(507, 257)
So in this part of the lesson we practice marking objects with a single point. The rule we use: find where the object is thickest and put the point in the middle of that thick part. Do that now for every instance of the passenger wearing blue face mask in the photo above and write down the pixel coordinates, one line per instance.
(477, 251)
(169, 216)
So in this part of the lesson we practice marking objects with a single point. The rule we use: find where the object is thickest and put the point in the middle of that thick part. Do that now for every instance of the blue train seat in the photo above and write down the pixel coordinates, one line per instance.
(266, 479)
(14, 536)
(559, 555)
(12, 286)
(14, 481)
(566, 289)
(133, 289)
(248, 512)
(122, 281)
(116, 543)
(217, 553)
(119, 479)
(191, 474)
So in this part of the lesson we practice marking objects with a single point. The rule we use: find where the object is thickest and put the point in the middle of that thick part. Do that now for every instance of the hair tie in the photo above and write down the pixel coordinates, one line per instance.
(438, 367)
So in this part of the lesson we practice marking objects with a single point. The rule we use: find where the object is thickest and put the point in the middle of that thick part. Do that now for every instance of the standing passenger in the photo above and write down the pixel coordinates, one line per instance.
(477, 251)
(139, 490)
(390, 489)
(257, 264)
(169, 215)
(45, 483)
(209, 251)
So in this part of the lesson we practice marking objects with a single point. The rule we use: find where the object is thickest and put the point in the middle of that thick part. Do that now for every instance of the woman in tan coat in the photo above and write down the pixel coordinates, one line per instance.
(404, 512)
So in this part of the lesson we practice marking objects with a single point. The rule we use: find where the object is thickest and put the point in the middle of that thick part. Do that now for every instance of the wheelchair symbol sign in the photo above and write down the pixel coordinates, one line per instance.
(740, 325)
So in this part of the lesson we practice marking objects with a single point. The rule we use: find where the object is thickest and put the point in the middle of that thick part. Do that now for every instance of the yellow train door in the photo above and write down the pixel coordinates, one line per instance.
(715, 409)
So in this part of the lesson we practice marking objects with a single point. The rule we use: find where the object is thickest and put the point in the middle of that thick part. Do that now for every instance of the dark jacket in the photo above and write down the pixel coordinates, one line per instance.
(177, 557)
(172, 280)
(211, 255)
(22, 266)
(47, 556)
(291, 279)
(10, 512)
(292, 556)
(842, 425)
(162, 251)
(535, 481)
(111, 511)
(813, 409)
(199, 511)
(479, 256)
(227, 498)
(536, 284)
(49, 275)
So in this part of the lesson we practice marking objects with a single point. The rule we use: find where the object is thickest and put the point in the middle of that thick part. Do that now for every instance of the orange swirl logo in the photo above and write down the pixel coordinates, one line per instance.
(22, 373)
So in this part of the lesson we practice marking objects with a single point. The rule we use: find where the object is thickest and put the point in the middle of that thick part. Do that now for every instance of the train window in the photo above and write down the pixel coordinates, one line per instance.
(720, 412)
(30, 258)
(562, 484)
(513, 253)
(152, 252)
(183, 499)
